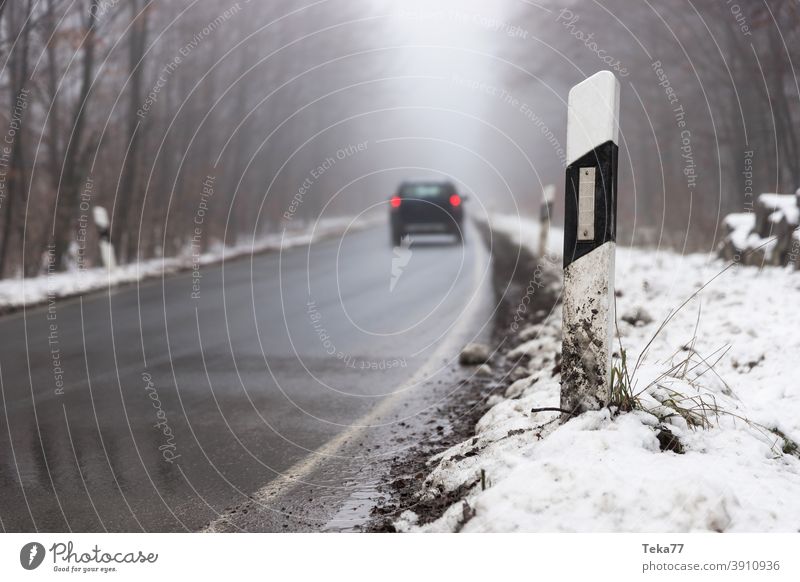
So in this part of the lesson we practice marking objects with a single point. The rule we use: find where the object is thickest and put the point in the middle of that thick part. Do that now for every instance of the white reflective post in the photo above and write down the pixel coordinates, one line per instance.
(106, 248)
(590, 216)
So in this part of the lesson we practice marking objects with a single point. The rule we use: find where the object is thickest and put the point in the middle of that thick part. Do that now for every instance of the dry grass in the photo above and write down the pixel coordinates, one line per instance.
(700, 409)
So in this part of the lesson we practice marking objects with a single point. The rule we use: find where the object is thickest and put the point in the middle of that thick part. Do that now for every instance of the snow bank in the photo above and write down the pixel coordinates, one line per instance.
(732, 347)
(16, 293)
(526, 232)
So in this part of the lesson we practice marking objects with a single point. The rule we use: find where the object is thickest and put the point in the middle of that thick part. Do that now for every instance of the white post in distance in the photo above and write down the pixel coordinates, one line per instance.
(102, 223)
(545, 216)
(590, 217)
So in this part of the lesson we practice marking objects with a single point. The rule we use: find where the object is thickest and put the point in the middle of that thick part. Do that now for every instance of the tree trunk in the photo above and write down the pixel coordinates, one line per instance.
(67, 199)
(16, 190)
(130, 199)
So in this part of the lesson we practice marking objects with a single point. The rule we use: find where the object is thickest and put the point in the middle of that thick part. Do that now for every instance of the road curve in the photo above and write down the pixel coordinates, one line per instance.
(156, 407)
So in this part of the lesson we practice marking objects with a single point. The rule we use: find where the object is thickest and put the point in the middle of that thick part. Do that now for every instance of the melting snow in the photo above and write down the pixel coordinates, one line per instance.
(607, 472)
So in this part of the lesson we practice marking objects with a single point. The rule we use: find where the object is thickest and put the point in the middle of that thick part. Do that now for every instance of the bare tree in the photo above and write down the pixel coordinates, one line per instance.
(74, 165)
(130, 196)
(19, 28)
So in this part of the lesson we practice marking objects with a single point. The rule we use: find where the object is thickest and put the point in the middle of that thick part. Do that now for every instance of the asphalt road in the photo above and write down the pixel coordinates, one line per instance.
(148, 408)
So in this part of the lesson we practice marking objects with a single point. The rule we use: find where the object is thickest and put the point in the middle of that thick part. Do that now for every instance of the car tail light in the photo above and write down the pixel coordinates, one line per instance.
(395, 201)
(455, 200)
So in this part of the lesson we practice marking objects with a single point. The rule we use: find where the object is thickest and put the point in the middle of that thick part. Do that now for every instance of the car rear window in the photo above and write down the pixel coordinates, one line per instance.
(423, 191)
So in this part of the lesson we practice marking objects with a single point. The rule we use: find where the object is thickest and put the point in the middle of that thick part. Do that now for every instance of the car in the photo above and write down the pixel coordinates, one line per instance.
(426, 208)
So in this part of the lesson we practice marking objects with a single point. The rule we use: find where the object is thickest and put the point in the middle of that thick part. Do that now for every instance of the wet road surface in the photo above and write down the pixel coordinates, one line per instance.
(268, 395)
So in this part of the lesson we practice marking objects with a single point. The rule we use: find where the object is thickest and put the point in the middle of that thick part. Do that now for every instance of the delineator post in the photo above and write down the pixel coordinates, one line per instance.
(590, 220)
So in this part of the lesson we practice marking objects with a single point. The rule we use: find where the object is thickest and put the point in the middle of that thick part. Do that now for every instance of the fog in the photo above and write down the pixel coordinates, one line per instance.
(289, 113)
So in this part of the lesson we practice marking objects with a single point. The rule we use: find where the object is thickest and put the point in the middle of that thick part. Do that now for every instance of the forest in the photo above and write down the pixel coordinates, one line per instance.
(139, 105)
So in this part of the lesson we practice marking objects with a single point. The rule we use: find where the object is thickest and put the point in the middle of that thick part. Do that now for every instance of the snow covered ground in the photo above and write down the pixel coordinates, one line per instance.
(727, 358)
(15, 293)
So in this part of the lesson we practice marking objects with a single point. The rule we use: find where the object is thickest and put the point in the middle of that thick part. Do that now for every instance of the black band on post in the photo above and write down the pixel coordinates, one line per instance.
(603, 159)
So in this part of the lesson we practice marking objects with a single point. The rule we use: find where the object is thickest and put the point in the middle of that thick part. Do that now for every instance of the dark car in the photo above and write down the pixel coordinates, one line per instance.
(426, 208)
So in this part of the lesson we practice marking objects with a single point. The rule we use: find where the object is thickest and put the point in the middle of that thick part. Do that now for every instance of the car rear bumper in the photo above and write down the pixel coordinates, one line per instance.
(428, 227)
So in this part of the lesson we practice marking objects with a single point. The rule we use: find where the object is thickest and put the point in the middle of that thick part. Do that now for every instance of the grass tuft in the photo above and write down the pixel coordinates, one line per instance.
(700, 409)
(623, 397)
